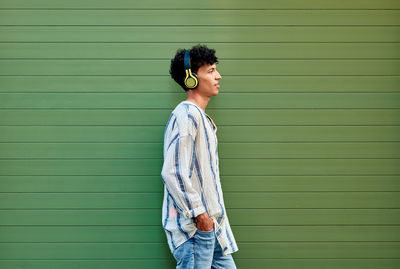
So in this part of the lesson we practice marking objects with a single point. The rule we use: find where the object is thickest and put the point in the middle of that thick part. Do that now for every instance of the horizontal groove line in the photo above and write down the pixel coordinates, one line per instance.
(225, 192)
(220, 125)
(315, 175)
(211, 42)
(159, 226)
(222, 175)
(228, 142)
(232, 225)
(355, 258)
(82, 225)
(221, 59)
(167, 260)
(180, 93)
(244, 142)
(245, 242)
(311, 241)
(315, 225)
(225, 75)
(77, 260)
(239, 176)
(227, 175)
(205, 25)
(297, 175)
(230, 208)
(222, 158)
(208, 9)
(209, 109)
(169, 109)
(212, 109)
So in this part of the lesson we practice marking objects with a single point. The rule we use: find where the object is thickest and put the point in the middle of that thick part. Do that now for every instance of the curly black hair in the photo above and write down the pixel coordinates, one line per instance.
(199, 56)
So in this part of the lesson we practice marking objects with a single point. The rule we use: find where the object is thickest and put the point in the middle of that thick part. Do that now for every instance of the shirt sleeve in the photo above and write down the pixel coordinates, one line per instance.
(177, 167)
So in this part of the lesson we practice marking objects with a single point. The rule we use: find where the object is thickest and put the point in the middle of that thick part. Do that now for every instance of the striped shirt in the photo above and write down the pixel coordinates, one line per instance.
(191, 177)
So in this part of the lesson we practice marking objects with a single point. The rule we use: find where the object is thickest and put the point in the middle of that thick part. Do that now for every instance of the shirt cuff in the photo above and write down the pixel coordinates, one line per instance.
(195, 212)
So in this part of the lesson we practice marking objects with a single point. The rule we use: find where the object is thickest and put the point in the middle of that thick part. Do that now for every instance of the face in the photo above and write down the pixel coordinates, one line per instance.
(208, 80)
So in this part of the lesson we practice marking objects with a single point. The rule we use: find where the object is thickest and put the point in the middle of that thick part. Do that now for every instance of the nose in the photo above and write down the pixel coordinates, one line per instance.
(218, 77)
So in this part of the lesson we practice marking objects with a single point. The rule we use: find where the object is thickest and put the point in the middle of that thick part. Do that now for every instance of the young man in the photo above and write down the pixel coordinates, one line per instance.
(194, 215)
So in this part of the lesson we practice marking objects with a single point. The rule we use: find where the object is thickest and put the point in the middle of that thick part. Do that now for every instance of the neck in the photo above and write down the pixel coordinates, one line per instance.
(199, 100)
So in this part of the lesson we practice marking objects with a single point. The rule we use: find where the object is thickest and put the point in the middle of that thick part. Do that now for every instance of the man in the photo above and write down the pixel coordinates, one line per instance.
(194, 215)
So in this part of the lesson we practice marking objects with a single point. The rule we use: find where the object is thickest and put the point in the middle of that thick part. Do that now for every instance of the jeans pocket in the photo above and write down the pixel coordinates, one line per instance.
(205, 235)
(204, 242)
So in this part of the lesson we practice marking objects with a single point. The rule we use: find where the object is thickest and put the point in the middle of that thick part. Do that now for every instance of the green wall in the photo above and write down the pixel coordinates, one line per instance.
(308, 116)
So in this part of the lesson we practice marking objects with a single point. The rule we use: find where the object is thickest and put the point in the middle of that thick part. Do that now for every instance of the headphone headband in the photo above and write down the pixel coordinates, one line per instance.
(186, 60)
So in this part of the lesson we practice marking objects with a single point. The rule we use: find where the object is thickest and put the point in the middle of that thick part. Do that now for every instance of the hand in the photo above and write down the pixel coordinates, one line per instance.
(204, 222)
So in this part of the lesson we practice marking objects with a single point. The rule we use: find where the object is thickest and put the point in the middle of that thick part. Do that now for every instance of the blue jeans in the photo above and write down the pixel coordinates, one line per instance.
(202, 251)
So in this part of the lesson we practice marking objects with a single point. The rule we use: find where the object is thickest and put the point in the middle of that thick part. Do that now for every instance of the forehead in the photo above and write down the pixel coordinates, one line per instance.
(207, 67)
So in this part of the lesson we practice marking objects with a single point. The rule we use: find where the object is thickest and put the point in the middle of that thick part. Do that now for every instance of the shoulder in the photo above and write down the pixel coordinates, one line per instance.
(188, 118)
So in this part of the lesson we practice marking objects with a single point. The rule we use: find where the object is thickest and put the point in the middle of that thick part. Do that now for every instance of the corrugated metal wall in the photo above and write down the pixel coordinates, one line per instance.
(308, 120)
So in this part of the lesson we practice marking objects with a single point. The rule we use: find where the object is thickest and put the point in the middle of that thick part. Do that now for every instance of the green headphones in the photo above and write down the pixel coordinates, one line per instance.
(191, 80)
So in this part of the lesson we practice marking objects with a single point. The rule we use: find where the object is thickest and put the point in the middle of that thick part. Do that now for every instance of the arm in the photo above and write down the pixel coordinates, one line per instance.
(175, 174)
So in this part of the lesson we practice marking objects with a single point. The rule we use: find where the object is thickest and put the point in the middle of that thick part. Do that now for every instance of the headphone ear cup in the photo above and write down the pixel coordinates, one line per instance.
(191, 80)
(196, 78)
